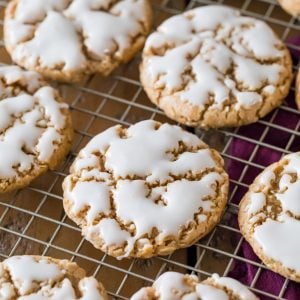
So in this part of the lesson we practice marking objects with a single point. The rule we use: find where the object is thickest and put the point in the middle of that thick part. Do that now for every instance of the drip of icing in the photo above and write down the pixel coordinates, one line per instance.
(282, 246)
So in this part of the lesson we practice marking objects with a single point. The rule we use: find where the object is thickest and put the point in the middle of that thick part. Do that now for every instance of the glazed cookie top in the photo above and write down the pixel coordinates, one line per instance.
(65, 34)
(149, 167)
(31, 122)
(222, 59)
(272, 206)
(42, 278)
(173, 285)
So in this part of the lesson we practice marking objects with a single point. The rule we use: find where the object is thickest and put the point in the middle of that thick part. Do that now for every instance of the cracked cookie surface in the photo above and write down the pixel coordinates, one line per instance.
(291, 6)
(68, 39)
(35, 127)
(269, 216)
(211, 67)
(146, 190)
(41, 278)
(177, 286)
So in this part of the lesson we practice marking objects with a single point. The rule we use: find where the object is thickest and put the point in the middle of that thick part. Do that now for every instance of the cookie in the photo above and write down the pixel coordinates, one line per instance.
(37, 277)
(212, 67)
(298, 89)
(291, 6)
(269, 216)
(173, 285)
(146, 190)
(35, 127)
(68, 39)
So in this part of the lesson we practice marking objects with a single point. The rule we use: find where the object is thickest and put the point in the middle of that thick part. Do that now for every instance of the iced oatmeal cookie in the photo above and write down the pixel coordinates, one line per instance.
(68, 39)
(173, 285)
(36, 277)
(269, 216)
(146, 190)
(35, 127)
(212, 67)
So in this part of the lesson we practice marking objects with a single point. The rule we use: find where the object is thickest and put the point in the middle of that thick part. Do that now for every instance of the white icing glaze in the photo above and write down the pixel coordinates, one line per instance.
(207, 292)
(110, 231)
(284, 246)
(235, 286)
(28, 123)
(96, 190)
(148, 161)
(43, 49)
(56, 40)
(25, 270)
(257, 202)
(175, 214)
(196, 46)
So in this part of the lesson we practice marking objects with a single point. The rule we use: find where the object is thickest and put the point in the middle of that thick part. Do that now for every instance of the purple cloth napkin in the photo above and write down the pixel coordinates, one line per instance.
(268, 281)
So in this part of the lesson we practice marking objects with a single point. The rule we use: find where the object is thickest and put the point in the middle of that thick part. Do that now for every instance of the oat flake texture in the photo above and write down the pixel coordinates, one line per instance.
(146, 190)
(212, 67)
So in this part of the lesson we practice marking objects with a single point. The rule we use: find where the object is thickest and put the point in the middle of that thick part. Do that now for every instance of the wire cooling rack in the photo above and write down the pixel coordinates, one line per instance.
(32, 220)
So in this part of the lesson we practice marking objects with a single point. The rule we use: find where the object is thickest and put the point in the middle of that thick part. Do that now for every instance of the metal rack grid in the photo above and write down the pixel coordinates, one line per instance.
(32, 220)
